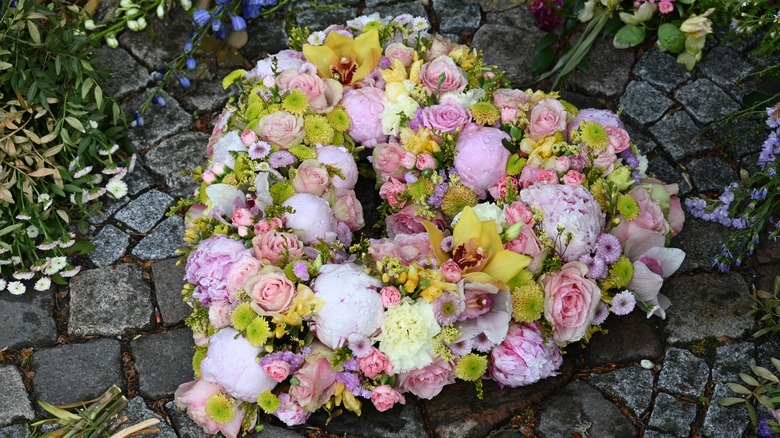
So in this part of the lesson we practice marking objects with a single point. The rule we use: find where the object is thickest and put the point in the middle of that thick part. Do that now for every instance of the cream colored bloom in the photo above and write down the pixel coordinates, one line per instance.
(698, 25)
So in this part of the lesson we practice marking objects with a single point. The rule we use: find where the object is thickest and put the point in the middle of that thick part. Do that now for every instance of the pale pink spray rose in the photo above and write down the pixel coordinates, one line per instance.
(391, 190)
(340, 158)
(242, 269)
(248, 137)
(231, 363)
(312, 217)
(219, 314)
(322, 94)
(281, 128)
(408, 247)
(570, 302)
(407, 221)
(518, 212)
(347, 209)
(573, 178)
(242, 217)
(439, 46)
(277, 370)
(316, 380)
(502, 185)
(364, 106)
(388, 160)
(480, 157)
(401, 52)
(391, 296)
(547, 117)
(508, 101)
(208, 177)
(425, 161)
(524, 358)
(352, 304)
(270, 290)
(454, 77)
(427, 382)
(267, 225)
(290, 412)
(312, 177)
(272, 246)
(529, 244)
(618, 138)
(374, 363)
(562, 164)
(385, 397)
(450, 271)
(192, 397)
(447, 117)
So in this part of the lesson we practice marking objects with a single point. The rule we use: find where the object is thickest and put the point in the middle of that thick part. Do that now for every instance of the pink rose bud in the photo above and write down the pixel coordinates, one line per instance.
(242, 217)
(519, 212)
(425, 161)
(573, 178)
(277, 370)
(375, 363)
(562, 164)
(208, 177)
(268, 81)
(390, 296)
(248, 137)
(451, 271)
(243, 231)
(385, 397)
(218, 168)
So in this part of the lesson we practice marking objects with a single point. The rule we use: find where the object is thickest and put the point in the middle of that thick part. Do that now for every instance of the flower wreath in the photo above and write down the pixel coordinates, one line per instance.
(290, 316)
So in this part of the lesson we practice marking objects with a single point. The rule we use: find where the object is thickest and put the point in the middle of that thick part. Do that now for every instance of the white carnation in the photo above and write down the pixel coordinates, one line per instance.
(407, 335)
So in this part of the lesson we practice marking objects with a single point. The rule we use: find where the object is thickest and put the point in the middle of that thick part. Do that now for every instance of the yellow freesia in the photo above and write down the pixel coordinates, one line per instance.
(539, 152)
(480, 243)
(419, 142)
(345, 59)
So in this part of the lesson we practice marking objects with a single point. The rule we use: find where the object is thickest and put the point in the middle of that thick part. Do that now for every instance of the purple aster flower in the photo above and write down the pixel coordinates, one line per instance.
(608, 247)
(281, 159)
(623, 303)
(301, 270)
(597, 268)
(384, 62)
(462, 348)
(360, 345)
(482, 343)
(447, 308)
(447, 244)
(601, 314)
(351, 365)
(259, 150)
(410, 177)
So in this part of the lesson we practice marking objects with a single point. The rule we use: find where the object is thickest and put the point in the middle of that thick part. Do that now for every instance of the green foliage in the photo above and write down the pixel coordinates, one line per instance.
(767, 304)
(762, 390)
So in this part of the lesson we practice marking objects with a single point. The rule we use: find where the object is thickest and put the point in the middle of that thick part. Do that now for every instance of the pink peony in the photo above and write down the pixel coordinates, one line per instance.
(454, 77)
(273, 246)
(573, 178)
(231, 363)
(407, 221)
(572, 208)
(508, 101)
(290, 412)
(277, 370)
(385, 397)
(316, 381)
(446, 117)
(651, 217)
(480, 157)
(209, 265)
(570, 301)
(389, 161)
(547, 117)
(364, 106)
(192, 397)
(281, 128)
(323, 94)
(312, 217)
(427, 382)
(270, 290)
(352, 304)
(340, 158)
(375, 363)
(524, 358)
(311, 177)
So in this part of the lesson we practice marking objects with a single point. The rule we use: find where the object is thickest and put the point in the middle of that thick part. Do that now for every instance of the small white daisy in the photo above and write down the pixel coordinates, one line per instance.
(45, 199)
(70, 272)
(117, 188)
(23, 275)
(2, 284)
(82, 172)
(58, 263)
(420, 24)
(42, 284)
(316, 38)
(32, 232)
(16, 288)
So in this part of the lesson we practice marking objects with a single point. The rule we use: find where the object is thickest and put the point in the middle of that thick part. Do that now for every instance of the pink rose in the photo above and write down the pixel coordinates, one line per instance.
(500, 189)
(546, 176)
(562, 164)
(242, 269)
(454, 77)
(447, 117)
(676, 216)
(573, 178)
(385, 397)
(508, 101)
(277, 370)
(219, 314)
(392, 190)
(425, 161)
(290, 412)
(248, 137)
(407, 221)
(364, 106)
(427, 382)
(604, 159)
(312, 217)
(311, 177)
(340, 158)
(316, 382)
(526, 243)
(388, 160)
(267, 225)
(208, 177)
(400, 52)
(323, 94)
(651, 217)
(451, 271)
(547, 117)
(273, 246)
(618, 138)
(347, 209)
(439, 46)
(665, 6)
(375, 363)
(242, 217)
(519, 212)
(281, 128)
(523, 357)
(391, 296)
(270, 290)
(480, 157)
(570, 301)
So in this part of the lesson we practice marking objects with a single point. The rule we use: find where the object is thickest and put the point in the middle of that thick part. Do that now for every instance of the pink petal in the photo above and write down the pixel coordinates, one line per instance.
(669, 258)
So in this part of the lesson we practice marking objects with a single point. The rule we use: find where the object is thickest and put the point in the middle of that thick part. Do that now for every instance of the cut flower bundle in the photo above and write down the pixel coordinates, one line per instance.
(515, 224)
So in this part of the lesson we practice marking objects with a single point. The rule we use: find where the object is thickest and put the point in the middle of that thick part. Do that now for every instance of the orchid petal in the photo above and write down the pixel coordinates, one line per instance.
(494, 324)
(645, 282)
(321, 56)
(506, 264)
(468, 227)
(489, 239)
(436, 236)
(669, 258)
(637, 240)
(223, 196)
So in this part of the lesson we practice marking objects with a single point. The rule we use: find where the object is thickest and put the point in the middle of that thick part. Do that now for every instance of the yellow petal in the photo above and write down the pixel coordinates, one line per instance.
(489, 238)
(436, 236)
(368, 64)
(483, 277)
(506, 264)
(414, 72)
(365, 44)
(321, 56)
(342, 45)
(468, 227)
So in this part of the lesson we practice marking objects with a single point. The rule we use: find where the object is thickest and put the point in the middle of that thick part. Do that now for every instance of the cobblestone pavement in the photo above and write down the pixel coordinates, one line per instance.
(120, 321)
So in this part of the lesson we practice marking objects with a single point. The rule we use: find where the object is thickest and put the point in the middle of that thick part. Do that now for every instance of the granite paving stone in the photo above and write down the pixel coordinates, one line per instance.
(740, 137)
(629, 338)
(456, 16)
(707, 305)
(15, 431)
(184, 425)
(160, 42)
(159, 121)
(274, 38)
(642, 104)
(139, 180)
(661, 70)
(110, 245)
(578, 408)
(732, 359)
(665, 172)
(498, 5)
(632, 386)
(677, 134)
(177, 154)
(650, 433)
(701, 241)
(168, 282)
(14, 402)
(105, 301)
(684, 373)
(163, 362)
(672, 415)
(706, 101)
(711, 174)
(145, 211)
(724, 66)
(137, 412)
(126, 75)
(501, 44)
(270, 431)
(724, 421)
(769, 348)
(74, 372)
(519, 17)
(374, 3)
(508, 433)
(643, 143)
(400, 421)
(317, 20)
(28, 320)
(204, 96)
(607, 71)
(392, 10)
(110, 206)
(163, 241)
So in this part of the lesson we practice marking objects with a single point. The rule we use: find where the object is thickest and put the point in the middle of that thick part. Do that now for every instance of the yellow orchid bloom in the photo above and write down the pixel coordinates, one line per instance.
(345, 59)
(478, 249)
